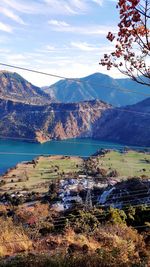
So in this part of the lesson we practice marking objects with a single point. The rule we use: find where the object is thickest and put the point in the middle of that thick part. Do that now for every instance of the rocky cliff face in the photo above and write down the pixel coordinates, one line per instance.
(95, 119)
(129, 125)
(54, 121)
(27, 112)
(14, 87)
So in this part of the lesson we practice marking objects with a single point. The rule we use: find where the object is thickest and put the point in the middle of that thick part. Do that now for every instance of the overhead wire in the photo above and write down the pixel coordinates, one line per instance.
(63, 77)
(72, 79)
(123, 194)
(67, 141)
(46, 154)
(98, 216)
(111, 108)
(108, 167)
(130, 195)
(120, 195)
(30, 240)
(36, 71)
(102, 216)
(97, 213)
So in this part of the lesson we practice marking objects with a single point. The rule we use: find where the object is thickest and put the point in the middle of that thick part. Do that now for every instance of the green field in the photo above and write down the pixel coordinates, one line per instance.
(36, 175)
(127, 164)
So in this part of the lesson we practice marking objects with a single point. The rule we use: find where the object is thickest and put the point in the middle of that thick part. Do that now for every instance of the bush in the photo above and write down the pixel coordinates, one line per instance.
(12, 238)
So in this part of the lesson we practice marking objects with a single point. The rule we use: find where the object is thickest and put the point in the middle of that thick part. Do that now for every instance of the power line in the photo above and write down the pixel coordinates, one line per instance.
(36, 71)
(64, 141)
(50, 155)
(111, 108)
(131, 111)
(123, 195)
(126, 165)
(98, 216)
(42, 154)
(124, 207)
(62, 221)
(147, 193)
(30, 240)
(66, 78)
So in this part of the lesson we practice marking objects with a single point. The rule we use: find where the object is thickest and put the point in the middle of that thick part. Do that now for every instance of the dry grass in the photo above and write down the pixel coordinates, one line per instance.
(12, 238)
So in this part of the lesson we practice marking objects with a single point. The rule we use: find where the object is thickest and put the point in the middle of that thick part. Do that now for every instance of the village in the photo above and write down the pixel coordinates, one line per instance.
(64, 181)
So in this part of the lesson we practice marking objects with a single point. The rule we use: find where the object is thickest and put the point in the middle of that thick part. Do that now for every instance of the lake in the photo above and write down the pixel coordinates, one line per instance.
(12, 152)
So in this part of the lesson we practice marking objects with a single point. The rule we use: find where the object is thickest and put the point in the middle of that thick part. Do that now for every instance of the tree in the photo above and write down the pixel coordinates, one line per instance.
(132, 45)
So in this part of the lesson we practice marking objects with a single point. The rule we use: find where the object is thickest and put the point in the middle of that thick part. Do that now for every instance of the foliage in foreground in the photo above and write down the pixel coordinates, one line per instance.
(99, 259)
(83, 238)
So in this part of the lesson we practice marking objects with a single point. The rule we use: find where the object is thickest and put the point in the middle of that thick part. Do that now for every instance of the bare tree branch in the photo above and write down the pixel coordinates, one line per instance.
(132, 51)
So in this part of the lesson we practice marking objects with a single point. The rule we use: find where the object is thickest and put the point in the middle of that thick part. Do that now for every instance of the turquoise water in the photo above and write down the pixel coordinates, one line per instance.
(12, 152)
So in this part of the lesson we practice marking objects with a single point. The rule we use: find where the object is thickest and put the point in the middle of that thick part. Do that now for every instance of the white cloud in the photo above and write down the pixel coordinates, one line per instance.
(58, 23)
(84, 46)
(50, 48)
(99, 2)
(86, 30)
(16, 59)
(47, 6)
(21, 6)
(106, 49)
(5, 27)
(8, 13)
(67, 7)
(4, 50)
(70, 66)
(70, 70)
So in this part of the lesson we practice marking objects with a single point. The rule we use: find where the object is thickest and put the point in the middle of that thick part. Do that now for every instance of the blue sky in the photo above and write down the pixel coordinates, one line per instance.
(65, 37)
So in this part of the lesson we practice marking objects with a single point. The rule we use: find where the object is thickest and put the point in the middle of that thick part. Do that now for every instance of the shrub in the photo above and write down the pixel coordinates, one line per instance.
(12, 238)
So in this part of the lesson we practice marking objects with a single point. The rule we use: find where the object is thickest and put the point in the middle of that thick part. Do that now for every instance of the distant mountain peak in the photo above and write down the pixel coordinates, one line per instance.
(95, 86)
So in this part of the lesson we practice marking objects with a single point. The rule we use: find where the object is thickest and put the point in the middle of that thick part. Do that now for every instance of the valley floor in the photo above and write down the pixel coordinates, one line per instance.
(54, 210)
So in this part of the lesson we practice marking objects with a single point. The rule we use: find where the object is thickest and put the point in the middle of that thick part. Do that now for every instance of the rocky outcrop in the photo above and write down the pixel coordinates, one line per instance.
(129, 125)
(95, 119)
(14, 87)
(26, 112)
(54, 121)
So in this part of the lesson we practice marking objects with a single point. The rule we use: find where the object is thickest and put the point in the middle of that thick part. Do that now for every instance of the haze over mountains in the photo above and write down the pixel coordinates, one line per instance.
(98, 86)
(27, 112)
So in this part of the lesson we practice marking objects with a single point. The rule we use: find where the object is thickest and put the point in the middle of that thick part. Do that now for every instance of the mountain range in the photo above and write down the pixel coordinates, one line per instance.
(98, 86)
(27, 112)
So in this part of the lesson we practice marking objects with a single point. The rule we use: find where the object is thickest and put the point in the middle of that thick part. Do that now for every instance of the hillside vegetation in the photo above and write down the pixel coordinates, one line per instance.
(98, 86)
(86, 238)
(16, 88)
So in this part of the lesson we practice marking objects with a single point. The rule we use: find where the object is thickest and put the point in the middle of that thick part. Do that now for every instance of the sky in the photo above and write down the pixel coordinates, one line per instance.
(64, 37)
